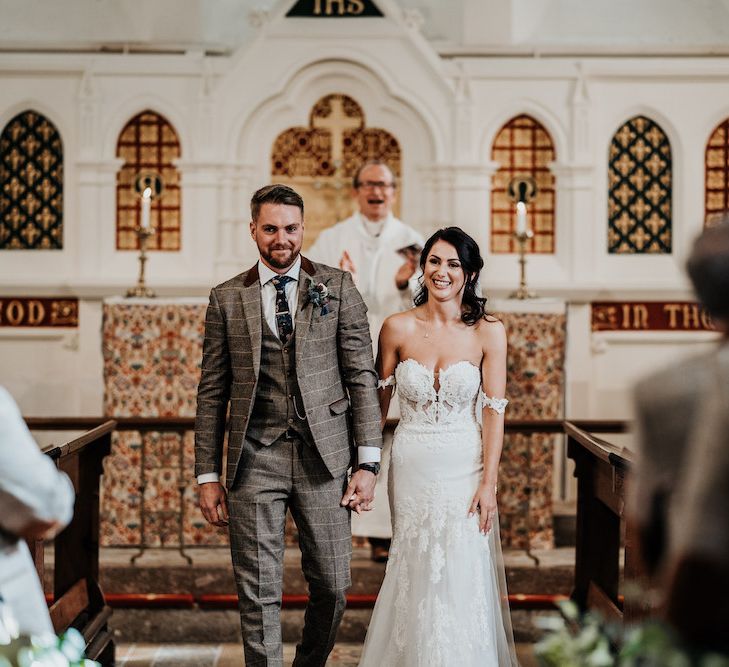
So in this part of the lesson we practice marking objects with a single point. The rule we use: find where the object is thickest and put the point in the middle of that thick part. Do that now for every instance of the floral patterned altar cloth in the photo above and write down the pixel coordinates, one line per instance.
(152, 350)
(536, 331)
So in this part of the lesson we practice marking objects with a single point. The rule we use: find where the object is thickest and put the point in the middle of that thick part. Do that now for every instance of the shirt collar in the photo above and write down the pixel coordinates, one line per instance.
(265, 274)
(374, 228)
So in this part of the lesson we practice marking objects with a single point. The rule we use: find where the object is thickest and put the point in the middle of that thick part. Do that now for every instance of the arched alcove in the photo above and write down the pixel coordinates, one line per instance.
(320, 160)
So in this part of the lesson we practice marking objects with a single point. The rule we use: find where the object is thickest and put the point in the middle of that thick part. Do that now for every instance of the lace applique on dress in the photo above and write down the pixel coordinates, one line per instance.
(387, 382)
(451, 404)
(498, 405)
(430, 531)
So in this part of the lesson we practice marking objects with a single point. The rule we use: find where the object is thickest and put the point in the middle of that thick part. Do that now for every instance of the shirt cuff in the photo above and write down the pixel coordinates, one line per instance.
(208, 477)
(368, 455)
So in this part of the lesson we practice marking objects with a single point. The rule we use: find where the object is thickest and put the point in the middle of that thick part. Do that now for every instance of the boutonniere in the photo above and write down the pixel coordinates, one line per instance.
(319, 296)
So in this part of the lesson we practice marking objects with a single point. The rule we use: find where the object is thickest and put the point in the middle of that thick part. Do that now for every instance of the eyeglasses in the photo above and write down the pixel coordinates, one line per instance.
(371, 185)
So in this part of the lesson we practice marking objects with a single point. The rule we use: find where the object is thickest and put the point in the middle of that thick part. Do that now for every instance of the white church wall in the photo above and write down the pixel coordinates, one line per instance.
(56, 372)
(620, 359)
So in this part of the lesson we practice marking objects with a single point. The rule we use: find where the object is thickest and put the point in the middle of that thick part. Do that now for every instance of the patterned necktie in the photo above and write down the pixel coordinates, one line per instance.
(284, 323)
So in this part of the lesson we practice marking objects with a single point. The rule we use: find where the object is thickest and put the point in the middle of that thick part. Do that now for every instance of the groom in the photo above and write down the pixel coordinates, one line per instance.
(287, 346)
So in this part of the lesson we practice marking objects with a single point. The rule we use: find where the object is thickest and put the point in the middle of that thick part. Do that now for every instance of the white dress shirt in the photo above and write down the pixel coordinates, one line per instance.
(268, 304)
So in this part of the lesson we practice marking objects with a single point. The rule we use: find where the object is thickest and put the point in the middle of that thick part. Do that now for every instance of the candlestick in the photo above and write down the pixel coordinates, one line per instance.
(141, 289)
(522, 189)
(144, 231)
(523, 292)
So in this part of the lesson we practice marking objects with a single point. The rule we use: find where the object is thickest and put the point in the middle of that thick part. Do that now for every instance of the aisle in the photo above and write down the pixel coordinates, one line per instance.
(214, 655)
(230, 655)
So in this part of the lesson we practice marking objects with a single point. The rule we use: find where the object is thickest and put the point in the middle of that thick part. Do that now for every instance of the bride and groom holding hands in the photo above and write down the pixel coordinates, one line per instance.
(287, 350)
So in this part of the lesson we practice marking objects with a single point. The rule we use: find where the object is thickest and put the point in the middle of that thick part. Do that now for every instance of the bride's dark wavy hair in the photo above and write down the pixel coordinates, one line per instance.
(474, 306)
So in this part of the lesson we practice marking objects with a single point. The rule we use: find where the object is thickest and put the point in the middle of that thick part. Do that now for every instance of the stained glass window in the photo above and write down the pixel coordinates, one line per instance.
(31, 184)
(639, 189)
(523, 148)
(717, 173)
(149, 145)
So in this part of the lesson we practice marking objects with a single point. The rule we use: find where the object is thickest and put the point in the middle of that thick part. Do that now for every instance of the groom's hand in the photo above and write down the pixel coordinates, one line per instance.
(214, 503)
(360, 491)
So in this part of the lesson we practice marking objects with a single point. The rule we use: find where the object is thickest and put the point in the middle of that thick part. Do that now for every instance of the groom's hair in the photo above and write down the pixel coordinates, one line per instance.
(275, 194)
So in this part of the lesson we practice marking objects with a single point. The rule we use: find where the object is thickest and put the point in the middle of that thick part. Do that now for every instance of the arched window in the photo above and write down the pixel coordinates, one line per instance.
(148, 144)
(31, 184)
(639, 189)
(523, 148)
(320, 160)
(716, 163)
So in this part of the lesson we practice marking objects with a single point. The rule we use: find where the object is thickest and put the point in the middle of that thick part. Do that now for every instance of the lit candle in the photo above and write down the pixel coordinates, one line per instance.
(521, 218)
(146, 206)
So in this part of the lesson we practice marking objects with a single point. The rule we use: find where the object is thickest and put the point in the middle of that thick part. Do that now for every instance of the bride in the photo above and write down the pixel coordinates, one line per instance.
(443, 601)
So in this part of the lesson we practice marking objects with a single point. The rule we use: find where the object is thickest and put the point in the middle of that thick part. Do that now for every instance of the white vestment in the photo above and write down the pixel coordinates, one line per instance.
(31, 488)
(376, 261)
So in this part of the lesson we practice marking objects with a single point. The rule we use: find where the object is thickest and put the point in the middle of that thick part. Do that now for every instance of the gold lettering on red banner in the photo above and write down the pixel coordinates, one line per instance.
(38, 312)
(650, 316)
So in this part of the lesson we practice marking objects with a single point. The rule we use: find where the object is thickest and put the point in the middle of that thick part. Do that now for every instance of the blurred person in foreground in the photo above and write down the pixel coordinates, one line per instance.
(36, 502)
(680, 496)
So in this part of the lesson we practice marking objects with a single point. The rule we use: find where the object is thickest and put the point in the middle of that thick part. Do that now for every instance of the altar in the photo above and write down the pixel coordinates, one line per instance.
(152, 350)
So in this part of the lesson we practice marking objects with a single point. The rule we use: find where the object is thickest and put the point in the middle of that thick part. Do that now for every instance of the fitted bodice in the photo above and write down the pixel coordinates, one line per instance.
(453, 401)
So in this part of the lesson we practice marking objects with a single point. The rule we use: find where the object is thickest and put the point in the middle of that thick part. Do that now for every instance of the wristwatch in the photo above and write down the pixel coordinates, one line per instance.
(374, 468)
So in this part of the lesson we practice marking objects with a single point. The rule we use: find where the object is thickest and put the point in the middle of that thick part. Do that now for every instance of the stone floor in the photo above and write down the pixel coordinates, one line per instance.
(165, 571)
(230, 655)
(198, 637)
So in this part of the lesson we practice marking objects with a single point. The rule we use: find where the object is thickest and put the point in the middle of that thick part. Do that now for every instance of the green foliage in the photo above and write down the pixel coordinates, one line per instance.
(48, 651)
(576, 640)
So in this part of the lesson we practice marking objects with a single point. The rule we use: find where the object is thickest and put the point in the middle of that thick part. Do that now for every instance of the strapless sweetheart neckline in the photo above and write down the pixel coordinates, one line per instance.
(439, 371)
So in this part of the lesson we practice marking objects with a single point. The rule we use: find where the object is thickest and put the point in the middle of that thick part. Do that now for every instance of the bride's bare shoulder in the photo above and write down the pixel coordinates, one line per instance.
(492, 333)
(399, 324)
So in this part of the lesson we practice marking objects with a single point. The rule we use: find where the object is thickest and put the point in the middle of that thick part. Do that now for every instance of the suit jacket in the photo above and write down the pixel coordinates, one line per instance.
(680, 494)
(31, 488)
(334, 367)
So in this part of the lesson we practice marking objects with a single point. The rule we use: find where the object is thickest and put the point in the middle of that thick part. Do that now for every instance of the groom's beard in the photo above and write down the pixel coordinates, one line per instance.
(281, 256)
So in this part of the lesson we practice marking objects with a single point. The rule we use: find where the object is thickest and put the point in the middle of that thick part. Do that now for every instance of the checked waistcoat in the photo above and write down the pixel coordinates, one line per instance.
(278, 406)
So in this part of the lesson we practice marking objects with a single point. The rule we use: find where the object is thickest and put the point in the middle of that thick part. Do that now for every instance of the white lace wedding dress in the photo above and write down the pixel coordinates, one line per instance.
(443, 601)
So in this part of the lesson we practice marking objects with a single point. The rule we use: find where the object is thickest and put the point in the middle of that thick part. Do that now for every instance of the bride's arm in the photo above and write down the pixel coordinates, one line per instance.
(387, 358)
(493, 380)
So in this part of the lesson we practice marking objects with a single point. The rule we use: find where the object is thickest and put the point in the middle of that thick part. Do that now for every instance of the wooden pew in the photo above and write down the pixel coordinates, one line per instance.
(601, 469)
(78, 600)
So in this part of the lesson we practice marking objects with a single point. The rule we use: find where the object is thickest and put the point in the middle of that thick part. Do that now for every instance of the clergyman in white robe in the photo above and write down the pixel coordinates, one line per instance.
(371, 255)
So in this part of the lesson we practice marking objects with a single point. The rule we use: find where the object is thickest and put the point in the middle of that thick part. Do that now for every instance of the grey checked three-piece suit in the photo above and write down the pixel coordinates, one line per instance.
(296, 413)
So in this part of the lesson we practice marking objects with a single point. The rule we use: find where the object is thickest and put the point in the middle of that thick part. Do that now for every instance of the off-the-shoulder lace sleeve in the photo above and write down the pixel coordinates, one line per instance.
(387, 382)
(498, 405)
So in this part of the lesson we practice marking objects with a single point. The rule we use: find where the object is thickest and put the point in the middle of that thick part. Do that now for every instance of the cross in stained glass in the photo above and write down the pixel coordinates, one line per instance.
(337, 123)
